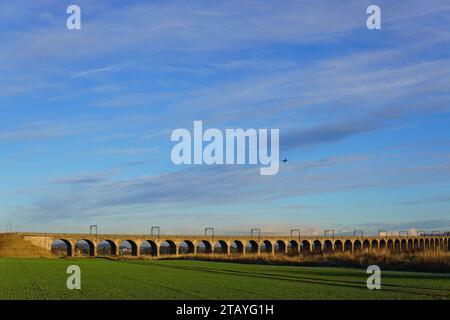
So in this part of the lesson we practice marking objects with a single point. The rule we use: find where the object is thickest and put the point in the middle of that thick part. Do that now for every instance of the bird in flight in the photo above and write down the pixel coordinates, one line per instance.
(285, 160)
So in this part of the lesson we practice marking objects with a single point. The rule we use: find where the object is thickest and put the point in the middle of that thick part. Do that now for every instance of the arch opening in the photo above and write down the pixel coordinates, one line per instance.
(410, 245)
(204, 247)
(280, 247)
(366, 245)
(348, 247)
(149, 248)
(382, 245)
(221, 247)
(317, 246)
(374, 245)
(266, 246)
(237, 247)
(251, 247)
(305, 247)
(357, 246)
(293, 247)
(338, 246)
(167, 247)
(328, 246)
(84, 247)
(61, 247)
(397, 245)
(416, 245)
(106, 248)
(186, 247)
(128, 248)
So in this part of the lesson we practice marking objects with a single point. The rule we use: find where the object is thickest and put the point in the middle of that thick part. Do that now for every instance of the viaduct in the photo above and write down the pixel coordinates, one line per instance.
(140, 245)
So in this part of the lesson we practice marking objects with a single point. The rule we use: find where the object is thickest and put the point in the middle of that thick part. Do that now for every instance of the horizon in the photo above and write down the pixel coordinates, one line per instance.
(413, 232)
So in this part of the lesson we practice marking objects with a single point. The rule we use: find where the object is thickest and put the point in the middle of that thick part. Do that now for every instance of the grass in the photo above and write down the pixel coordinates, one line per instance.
(183, 279)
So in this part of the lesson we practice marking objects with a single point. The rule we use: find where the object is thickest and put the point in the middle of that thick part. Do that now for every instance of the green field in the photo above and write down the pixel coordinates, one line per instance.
(181, 279)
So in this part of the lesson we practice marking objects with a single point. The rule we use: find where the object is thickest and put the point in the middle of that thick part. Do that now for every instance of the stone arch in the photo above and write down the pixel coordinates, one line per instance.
(328, 246)
(204, 246)
(427, 244)
(366, 245)
(422, 244)
(221, 247)
(316, 246)
(403, 245)
(280, 246)
(383, 245)
(149, 247)
(432, 245)
(251, 247)
(128, 248)
(390, 245)
(446, 244)
(410, 245)
(397, 245)
(266, 246)
(293, 247)
(348, 246)
(186, 247)
(85, 247)
(441, 244)
(237, 247)
(305, 247)
(61, 247)
(374, 245)
(168, 247)
(416, 245)
(357, 246)
(107, 247)
(338, 246)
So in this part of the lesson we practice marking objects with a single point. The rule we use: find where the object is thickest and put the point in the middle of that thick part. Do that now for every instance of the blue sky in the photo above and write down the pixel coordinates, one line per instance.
(87, 114)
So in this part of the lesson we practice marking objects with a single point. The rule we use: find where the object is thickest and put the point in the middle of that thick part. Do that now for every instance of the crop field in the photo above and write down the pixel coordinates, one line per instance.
(183, 279)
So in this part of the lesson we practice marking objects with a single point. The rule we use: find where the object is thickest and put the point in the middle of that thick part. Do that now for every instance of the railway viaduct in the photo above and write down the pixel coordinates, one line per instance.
(165, 244)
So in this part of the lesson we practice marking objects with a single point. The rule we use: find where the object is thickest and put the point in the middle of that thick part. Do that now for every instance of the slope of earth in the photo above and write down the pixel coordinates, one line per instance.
(12, 245)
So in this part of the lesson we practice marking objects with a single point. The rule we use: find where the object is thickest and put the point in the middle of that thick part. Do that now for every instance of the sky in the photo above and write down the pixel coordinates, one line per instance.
(87, 115)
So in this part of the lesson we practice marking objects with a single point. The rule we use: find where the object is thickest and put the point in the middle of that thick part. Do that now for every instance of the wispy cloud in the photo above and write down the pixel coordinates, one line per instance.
(328, 133)
(86, 178)
(136, 163)
(122, 151)
(46, 130)
(96, 71)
